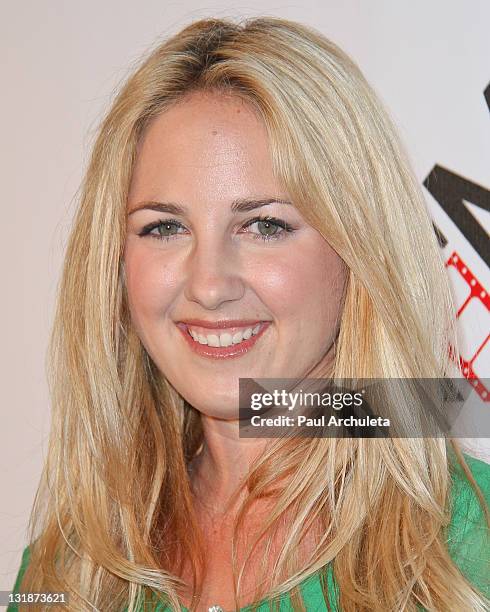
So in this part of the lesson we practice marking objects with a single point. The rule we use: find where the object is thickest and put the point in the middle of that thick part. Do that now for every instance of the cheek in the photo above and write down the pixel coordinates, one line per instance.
(326, 278)
(306, 283)
(277, 281)
(150, 282)
(323, 303)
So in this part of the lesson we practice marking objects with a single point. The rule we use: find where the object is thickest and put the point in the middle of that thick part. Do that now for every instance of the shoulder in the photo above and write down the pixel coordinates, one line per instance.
(468, 533)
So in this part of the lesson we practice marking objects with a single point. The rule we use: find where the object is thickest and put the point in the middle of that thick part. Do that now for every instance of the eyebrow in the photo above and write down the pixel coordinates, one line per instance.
(239, 205)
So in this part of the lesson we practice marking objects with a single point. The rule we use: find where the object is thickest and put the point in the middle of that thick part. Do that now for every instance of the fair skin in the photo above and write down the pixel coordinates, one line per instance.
(204, 154)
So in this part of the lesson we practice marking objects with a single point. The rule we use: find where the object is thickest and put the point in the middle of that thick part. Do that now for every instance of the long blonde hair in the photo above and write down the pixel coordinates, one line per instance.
(114, 513)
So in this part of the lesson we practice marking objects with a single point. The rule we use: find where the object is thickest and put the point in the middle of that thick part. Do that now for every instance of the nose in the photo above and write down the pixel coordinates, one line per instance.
(213, 274)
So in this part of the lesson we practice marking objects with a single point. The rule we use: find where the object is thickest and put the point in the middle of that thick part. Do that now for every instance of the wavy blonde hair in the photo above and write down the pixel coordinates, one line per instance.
(114, 510)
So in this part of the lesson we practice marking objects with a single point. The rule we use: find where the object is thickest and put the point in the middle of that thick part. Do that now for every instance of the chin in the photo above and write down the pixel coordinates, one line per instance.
(226, 413)
(222, 415)
(218, 409)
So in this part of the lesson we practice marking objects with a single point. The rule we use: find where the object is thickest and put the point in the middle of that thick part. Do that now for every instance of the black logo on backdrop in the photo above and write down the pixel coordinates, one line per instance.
(450, 190)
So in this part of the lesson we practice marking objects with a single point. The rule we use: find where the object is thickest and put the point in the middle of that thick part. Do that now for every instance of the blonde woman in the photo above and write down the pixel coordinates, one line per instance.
(248, 212)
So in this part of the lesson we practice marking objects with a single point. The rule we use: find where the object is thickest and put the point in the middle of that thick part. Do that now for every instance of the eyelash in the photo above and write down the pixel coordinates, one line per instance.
(267, 219)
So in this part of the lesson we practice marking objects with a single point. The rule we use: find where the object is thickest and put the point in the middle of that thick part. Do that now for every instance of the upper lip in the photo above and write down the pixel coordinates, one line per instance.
(222, 324)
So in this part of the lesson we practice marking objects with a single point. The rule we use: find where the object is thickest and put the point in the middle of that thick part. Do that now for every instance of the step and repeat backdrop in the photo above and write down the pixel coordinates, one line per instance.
(62, 62)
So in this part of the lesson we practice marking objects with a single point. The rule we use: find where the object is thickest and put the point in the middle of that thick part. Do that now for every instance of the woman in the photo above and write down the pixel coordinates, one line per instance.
(248, 212)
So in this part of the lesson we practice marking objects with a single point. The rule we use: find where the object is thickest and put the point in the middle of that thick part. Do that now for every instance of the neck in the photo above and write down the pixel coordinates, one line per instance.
(223, 463)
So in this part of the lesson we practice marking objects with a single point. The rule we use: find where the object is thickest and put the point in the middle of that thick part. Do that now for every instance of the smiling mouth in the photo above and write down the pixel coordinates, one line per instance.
(215, 343)
(232, 335)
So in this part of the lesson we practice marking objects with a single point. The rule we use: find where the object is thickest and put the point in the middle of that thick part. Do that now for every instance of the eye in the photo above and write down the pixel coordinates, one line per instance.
(164, 229)
(270, 228)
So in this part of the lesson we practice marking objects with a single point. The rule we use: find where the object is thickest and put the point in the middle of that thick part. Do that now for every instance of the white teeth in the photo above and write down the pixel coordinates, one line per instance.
(225, 339)
(198, 337)
(247, 333)
(238, 337)
(213, 340)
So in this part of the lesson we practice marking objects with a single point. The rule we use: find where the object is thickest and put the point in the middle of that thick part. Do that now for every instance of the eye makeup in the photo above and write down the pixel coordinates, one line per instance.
(268, 221)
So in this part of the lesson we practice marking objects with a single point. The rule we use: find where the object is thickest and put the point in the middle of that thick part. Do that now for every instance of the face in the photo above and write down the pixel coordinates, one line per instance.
(262, 298)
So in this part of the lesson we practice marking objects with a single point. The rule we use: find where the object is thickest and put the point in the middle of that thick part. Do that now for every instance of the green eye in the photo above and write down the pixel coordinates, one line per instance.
(163, 228)
(269, 228)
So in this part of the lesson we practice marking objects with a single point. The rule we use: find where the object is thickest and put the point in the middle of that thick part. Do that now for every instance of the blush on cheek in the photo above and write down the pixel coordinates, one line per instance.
(149, 280)
(281, 282)
(137, 287)
(142, 300)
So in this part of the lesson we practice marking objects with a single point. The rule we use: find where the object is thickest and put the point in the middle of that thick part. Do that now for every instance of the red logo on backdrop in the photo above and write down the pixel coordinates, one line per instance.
(475, 291)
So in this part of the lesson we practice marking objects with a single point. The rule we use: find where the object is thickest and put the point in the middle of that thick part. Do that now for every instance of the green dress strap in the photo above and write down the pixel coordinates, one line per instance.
(468, 535)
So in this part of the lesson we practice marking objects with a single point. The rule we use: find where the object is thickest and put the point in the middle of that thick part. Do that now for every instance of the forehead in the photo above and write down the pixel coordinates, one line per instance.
(210, 141)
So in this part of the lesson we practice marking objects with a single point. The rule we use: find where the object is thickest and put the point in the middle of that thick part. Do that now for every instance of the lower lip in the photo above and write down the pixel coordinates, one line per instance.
(222, 352)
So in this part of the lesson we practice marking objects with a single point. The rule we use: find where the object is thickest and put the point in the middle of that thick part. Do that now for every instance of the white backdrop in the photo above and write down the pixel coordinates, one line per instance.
(428, 61)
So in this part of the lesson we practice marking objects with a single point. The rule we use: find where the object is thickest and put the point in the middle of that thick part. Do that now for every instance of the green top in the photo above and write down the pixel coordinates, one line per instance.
(466, 541)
